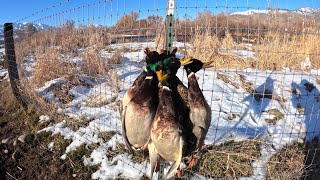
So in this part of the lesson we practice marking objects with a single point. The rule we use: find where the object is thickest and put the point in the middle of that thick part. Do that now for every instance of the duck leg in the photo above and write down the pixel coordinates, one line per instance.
(179, 173)
(190, 163)
(144, 147)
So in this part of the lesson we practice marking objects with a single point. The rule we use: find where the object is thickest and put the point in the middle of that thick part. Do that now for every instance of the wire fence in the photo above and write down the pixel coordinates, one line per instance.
(76, 60)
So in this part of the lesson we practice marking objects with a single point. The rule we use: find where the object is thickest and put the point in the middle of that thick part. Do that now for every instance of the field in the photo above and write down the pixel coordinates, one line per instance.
(263, 91)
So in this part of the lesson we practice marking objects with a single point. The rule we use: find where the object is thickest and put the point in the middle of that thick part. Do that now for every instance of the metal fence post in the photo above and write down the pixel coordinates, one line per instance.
(10, 58)
(169, 24)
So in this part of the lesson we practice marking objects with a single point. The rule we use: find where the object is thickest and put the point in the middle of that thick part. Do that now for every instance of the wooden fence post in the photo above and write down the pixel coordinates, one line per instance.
(10, 57)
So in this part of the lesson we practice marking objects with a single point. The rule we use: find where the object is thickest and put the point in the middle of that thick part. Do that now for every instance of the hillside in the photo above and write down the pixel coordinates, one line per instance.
(302, 11)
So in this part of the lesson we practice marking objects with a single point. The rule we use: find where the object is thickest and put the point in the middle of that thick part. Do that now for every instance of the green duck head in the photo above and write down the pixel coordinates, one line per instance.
(172, 64)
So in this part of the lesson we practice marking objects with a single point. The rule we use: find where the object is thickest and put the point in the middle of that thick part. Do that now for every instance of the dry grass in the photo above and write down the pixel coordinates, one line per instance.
(295, 161)
(288, 163)
(50, 65)
(93, 64)
(277, 116)
(160, 41)
(273, 51)
(208, 47)
(201, 43)
(62, 91)
(114, 81)
(278, 50)
(97, 100)
(228, 42)
(117, 56)
(67, 37)
(106, 136)
(230, 159)
(7, 99)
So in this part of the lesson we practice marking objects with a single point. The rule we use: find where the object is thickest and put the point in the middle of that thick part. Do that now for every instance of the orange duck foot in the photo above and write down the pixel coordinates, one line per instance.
(190, 163)
(179, 173)
(144, 147)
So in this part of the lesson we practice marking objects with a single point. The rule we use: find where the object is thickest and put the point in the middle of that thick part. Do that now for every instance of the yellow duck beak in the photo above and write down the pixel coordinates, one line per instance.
(185, 61)
(162, 78)
(207, 64)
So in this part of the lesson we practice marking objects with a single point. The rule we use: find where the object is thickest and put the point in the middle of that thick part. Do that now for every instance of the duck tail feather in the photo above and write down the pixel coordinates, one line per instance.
(123, 125)
(173, 169)
(153, 155)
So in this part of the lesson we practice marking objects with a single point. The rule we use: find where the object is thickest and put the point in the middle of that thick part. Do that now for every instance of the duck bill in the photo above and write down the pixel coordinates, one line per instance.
(185, 61)
(207, 64)
(162, 78)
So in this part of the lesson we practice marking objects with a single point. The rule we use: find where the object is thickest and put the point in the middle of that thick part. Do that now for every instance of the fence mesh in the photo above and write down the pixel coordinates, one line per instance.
(76, 60)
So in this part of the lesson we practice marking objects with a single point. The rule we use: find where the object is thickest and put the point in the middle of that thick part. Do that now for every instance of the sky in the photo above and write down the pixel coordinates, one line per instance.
(108, 12)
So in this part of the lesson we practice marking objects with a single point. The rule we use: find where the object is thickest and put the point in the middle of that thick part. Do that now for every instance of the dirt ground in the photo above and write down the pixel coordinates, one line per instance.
(33, 159)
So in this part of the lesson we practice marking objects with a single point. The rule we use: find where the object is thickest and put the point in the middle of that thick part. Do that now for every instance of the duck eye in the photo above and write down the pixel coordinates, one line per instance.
(158, 68)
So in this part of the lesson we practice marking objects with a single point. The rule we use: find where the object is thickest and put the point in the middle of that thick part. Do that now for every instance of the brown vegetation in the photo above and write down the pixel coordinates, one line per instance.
(230, 159)
(33, 159)
(295, 161)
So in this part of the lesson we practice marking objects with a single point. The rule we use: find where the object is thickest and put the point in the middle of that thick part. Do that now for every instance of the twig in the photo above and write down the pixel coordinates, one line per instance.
(11, 176)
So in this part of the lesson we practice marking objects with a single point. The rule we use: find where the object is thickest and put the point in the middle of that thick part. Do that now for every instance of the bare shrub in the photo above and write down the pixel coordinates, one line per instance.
(204, 45)
(117, 56)
(228, 42)
(114, 81)
(93, 64)
(50, 66)
(159, 41)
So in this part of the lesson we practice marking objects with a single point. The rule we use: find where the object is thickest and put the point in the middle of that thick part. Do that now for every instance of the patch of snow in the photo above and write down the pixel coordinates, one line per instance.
(143, 45)
(63, 157)
(48, 85)
(44, 118)
(244, 53)
(22, 138)
(50, 146)
(3, 74)
(4, 141)
(74, 60)
(306, 64)
(133, 45)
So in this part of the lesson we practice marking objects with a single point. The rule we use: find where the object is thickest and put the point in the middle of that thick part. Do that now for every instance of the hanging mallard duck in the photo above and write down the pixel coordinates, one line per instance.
(199, 109)
(152, 57)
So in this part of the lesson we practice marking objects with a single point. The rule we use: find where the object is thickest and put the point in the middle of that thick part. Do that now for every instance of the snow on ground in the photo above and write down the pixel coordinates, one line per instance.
(3, 71)
(249, 114)
(244, 53)
(143, 45)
